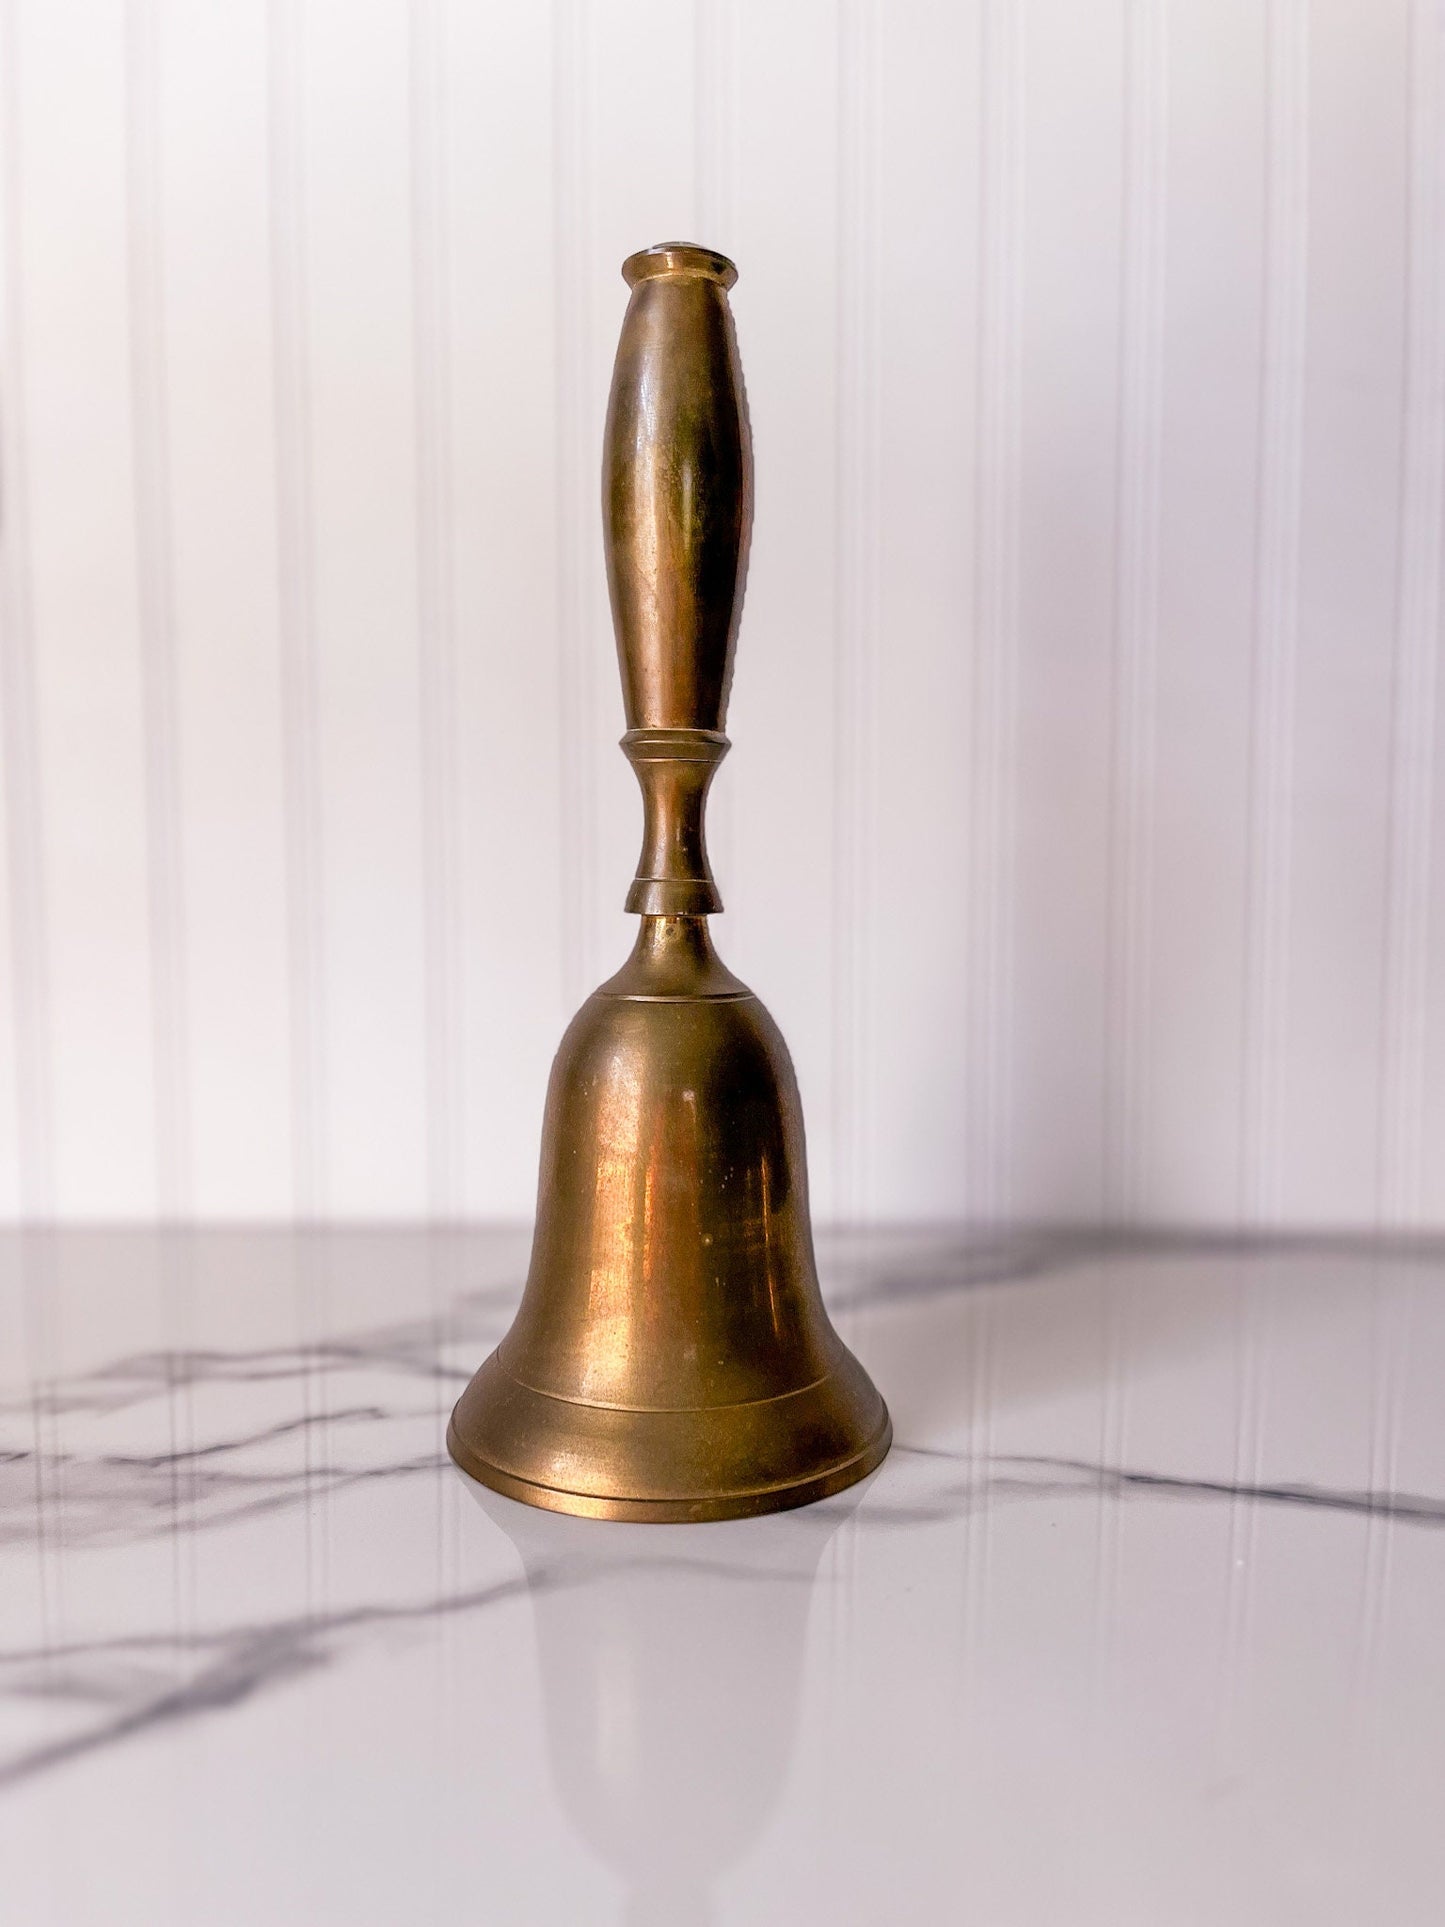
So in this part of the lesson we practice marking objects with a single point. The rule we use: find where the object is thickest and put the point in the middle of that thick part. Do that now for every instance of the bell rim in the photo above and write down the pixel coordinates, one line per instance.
(742, 1502)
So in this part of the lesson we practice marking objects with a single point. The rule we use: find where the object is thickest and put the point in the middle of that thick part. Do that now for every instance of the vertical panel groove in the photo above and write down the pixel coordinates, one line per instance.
(301, 805)
(1272, 691)
(1276, 612)
(154, 582)
(31, 1003)
(1391, 1334)
(1252, 1332)
(1406, 979)
(571, 133)
(436, 626)
(715, 90)
(715, 122)
(988, 1177)
(1136, 613)
(856, 549)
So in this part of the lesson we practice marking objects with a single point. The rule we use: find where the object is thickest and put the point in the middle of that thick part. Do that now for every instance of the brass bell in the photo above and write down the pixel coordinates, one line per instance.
(671, 1358)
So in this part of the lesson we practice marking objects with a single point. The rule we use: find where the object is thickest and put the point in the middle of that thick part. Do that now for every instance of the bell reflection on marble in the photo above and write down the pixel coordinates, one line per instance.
(671, 1666)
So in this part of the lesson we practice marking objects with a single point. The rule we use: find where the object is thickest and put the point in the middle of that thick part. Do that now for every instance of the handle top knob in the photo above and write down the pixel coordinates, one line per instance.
(678, 257)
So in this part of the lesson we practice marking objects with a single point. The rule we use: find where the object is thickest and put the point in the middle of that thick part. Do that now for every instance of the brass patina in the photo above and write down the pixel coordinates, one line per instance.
(671, 1358)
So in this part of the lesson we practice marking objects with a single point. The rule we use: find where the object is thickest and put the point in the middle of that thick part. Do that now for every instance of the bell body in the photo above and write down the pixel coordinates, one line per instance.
(671, 1358)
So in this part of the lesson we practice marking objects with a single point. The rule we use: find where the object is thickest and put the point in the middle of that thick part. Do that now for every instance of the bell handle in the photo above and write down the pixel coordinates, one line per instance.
(677, 489)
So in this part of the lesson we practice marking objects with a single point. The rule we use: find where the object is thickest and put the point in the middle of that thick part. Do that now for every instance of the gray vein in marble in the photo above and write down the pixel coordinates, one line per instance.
(238, 1663)
(119, 1674)
(189, 1455)
(146, 1680)
(110, 1497)
(131, 1381)
(241, 1662)
(1080, 1475)
(413, 1348)
(111, 1501)
(866, 1272)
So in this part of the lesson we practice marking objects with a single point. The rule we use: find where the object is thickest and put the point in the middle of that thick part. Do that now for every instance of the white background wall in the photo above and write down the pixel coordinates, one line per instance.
(1083, 823)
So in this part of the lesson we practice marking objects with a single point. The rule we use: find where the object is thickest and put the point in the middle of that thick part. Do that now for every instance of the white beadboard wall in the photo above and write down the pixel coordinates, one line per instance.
(1082, 828)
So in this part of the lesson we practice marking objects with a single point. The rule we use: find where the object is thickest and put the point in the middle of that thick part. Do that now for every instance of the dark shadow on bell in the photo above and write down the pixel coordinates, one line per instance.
(671, 1659)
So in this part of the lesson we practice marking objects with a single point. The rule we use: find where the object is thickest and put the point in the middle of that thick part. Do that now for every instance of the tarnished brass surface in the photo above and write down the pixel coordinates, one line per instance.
(671, 1358)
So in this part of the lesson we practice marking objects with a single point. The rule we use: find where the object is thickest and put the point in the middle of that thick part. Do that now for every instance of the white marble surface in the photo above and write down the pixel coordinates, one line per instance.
(1142, 1622)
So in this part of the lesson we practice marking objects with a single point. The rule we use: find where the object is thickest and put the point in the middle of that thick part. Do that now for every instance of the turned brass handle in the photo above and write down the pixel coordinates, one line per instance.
(676, 514)
(677, 489)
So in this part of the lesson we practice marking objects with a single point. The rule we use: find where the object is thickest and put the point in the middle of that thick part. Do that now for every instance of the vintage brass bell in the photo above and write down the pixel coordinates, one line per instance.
(671, 1358)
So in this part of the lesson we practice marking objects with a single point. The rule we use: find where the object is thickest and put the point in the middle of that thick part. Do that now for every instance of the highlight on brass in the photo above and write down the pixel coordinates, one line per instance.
(671, 1358)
